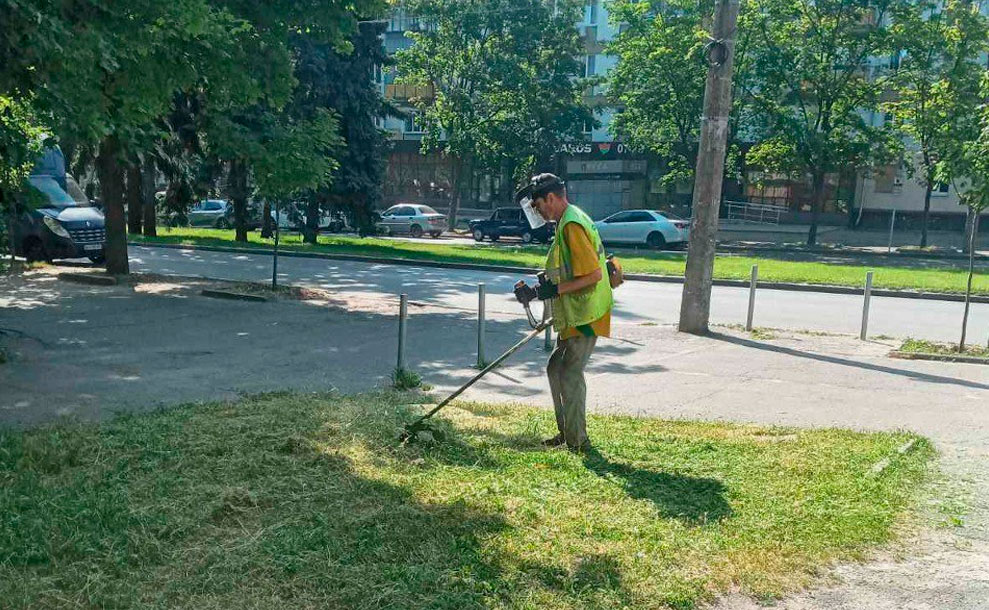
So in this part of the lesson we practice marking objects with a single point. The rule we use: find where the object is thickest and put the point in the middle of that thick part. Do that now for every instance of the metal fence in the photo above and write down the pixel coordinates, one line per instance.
(753, 213)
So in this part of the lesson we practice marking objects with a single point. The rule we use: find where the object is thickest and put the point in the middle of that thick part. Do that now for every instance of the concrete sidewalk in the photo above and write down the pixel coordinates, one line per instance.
(90, 352)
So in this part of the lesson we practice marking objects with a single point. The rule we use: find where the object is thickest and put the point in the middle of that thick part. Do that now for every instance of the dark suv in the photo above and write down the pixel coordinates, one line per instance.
(510, 222)
(64, 224)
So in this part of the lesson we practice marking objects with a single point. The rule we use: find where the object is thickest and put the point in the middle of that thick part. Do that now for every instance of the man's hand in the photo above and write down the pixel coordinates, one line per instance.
(546, 289)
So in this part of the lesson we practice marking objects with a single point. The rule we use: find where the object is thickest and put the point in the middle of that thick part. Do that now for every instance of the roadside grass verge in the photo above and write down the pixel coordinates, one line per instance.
(919, 346)
(730, 267)
(307, 501)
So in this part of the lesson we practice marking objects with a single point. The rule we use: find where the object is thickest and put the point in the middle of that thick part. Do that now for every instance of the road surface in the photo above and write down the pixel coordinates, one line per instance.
(637, 302)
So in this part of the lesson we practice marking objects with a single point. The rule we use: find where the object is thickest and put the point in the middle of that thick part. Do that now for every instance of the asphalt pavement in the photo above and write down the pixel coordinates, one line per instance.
(637, 302)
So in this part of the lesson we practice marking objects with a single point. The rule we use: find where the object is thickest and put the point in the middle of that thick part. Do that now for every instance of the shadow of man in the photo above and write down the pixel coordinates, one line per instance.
(693, 500)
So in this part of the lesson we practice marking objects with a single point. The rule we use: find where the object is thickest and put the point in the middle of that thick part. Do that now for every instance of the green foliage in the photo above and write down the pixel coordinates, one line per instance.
(810, 84)
(935, 89)
(920, 346)
(506, 78)
(344, 82)
(659, 79)
(405, 379)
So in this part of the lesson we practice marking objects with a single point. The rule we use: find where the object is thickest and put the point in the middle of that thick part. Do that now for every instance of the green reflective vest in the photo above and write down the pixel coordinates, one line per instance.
(587, 305)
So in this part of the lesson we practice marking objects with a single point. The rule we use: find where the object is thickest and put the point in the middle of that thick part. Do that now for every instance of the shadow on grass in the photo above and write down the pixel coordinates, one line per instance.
(693, 500)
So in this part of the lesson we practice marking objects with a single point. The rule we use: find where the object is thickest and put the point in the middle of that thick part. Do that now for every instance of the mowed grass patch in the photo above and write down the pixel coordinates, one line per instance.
(728, 267)
(307, 501)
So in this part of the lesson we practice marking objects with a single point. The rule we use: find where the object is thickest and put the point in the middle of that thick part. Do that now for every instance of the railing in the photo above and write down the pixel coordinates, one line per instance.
(754, 213)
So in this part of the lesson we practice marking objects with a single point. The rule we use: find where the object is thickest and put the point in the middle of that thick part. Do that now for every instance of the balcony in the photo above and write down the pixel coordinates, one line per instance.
(402, 92)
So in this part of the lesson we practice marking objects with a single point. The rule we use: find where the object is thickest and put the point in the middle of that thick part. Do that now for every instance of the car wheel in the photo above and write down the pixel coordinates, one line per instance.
(656, 240)
(98, 260)
(34, 251)
(527, 237)
(223, 223)
(478, 235)
(415, 231)
(494, 237)
(436, 234)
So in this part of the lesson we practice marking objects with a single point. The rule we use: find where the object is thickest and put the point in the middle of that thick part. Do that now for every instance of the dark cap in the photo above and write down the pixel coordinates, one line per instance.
(542, 184)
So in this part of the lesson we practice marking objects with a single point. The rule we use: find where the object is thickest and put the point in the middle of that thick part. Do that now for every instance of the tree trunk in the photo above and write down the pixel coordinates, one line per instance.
(149, 203)
(111, 176)
(134, 215)
(267, 227)
(455, 195)
(238, 190)
(816, 206)
(927, 213)
(971, 271)
(311, 230)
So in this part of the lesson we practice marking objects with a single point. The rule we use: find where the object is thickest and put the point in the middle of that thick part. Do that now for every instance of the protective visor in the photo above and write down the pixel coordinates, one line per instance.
(535, 219)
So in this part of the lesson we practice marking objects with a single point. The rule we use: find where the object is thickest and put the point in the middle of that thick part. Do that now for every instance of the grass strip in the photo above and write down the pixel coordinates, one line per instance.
(729, 267)
(306, 501)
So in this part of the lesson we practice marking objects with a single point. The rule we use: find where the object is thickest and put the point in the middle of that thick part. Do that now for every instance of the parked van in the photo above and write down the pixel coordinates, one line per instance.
(65, 224)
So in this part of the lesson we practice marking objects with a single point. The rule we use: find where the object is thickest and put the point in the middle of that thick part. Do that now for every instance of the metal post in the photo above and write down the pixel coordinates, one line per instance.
(480, 326)
(752, 284)
(865, 306)
(274, 260)
(892, 223)
(547, 312)
(403, 314)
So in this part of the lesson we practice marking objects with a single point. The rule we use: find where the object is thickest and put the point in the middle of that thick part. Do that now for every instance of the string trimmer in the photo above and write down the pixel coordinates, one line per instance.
(525, 294)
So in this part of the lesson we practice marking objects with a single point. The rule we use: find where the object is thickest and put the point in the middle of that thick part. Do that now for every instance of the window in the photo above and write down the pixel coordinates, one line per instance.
(378, 74)
(941, 189)
(592, 12)
(640, 217)
(213, 206)
(404, 210)
(425, 209)
(590, 63)
(620, 217)
(588, 127)
(414, 122)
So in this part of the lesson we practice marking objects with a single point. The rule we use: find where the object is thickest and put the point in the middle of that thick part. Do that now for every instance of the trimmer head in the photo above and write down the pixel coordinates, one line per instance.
(420, 431)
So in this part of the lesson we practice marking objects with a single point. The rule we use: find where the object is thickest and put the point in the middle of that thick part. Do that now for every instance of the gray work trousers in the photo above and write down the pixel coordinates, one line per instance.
(566, 382)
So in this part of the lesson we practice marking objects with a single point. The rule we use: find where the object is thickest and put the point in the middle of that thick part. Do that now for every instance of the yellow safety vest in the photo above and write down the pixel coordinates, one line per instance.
(586, 305)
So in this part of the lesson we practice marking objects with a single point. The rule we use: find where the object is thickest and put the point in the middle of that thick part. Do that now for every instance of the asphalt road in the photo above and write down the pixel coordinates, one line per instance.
(638, 302)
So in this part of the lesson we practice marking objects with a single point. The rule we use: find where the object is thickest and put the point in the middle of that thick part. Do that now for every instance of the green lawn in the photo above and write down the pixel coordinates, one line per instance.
(306, 501)
(662, 263)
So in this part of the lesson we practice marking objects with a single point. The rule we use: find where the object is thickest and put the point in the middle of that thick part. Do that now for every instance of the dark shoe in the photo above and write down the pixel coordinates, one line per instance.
(556, 441)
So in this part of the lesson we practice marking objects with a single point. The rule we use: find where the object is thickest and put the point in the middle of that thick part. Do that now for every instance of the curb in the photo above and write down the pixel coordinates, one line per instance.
(938, 357)
(91, 279)
(637, 277)
(233, 296)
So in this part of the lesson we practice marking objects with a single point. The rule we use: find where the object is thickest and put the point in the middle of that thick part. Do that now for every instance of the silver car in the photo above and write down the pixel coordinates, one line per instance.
(412, 218)
(212, 213)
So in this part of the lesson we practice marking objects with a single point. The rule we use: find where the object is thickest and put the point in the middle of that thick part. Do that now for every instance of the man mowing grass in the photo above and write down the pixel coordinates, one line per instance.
(576, 283)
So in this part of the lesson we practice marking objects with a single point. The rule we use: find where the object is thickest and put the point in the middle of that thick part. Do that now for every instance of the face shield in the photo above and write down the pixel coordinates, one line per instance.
(535, 219)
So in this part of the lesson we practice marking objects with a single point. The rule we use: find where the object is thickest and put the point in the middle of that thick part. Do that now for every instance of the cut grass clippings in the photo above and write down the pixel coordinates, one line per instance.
(307, 501)
(905, 277)
(919, 346)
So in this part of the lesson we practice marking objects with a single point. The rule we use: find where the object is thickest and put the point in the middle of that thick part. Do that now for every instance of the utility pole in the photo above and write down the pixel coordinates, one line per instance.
(695, 306)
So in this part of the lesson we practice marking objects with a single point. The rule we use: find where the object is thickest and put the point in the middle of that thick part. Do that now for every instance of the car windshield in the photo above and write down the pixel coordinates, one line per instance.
(425, 209)
(56, 196)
